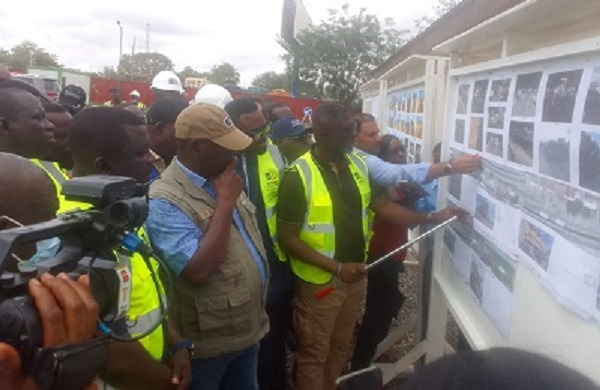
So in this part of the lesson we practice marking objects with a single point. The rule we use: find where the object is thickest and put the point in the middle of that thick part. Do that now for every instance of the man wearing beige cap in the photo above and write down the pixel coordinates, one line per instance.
(205, 228)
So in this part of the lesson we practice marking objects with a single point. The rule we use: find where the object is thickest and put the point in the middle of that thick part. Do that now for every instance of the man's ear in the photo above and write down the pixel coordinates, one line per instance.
(101, 166)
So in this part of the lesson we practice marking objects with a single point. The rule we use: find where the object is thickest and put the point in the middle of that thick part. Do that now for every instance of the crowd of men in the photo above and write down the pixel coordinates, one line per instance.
(253, 213)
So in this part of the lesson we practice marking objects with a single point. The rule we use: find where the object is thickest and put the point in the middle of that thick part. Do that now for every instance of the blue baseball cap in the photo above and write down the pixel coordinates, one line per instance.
(287, 127)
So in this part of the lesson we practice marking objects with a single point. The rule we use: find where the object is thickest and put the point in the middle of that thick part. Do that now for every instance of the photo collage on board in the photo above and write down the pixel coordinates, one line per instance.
(537, 195)
(405, 120)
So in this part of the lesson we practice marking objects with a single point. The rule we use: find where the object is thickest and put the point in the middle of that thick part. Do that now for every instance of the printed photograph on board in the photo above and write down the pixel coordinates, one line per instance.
(455, 186)
(494, 144)
(449, 240)
(555, 153)
(500, 89)
(560, 97)
(463, 99)
(536, 243)
(479, 94)
(476, 280)
(591, 110)
(419, 127)
(520, 143)
(420, 101)
(476, 134)
(485, 211)
(525, 98)
(589, 161)
(496, 117)
(459, 131)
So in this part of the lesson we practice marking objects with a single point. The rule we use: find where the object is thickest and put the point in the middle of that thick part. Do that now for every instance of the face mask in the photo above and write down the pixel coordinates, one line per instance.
(46, 250)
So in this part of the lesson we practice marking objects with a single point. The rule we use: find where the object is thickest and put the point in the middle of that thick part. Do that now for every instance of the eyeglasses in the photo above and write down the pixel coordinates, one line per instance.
(301, 137)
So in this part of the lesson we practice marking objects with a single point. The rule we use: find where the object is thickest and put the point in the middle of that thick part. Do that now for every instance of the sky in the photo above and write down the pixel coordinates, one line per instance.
(197, 33)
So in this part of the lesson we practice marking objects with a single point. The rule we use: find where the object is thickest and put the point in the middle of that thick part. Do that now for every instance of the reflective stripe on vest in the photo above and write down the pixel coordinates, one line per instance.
(270, 166)
(318, 230)
(144, 305)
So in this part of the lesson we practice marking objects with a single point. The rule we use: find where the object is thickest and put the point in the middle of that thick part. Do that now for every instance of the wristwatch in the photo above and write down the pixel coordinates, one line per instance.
(183, 344)
(448, 169)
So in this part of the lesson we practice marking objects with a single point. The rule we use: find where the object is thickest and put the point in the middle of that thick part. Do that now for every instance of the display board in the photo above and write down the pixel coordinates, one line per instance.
(526, 271)
(405, 119)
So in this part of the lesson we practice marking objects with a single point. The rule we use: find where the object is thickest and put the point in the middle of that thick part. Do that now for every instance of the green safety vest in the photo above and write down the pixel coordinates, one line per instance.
(270, 166)
(318, 230)
(144, 306)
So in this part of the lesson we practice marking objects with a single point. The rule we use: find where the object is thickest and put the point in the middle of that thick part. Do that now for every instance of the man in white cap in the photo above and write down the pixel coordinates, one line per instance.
(213, 94)
(205, 229)
(166, 84)
(134, 100)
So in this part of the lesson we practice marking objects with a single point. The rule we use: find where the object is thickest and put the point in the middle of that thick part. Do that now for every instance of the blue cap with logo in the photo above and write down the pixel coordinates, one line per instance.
(287, 127)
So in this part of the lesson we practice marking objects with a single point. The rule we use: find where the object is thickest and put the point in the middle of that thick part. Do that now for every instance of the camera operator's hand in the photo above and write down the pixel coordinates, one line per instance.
(228, 185)
(68, 314)
(352, 272)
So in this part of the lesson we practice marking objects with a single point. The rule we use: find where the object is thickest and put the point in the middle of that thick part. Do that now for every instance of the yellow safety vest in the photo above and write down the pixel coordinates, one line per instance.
(144, 306)
(58, 178)
(270, 166)
(318, 230)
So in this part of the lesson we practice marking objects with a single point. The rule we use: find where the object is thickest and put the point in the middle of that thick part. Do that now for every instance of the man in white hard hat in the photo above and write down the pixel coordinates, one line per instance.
(134, 100)
(213, 94)
(166, 84)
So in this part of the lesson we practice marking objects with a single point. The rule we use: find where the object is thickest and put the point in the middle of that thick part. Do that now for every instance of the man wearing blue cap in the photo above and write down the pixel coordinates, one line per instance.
(291, 137)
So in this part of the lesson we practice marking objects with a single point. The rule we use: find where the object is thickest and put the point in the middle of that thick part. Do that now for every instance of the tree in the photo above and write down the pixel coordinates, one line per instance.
(224, 74)
(188, 71)
(440, 9)
(27, 54)
(109, 72)
(272, 80)
(144, 66)
(338, 55)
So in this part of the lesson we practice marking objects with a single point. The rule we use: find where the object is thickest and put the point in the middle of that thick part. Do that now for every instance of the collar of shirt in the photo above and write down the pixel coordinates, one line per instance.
(194, 177)
(329, 165)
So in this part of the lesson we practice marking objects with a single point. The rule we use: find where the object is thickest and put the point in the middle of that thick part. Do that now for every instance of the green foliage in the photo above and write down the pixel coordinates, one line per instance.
(337, 56)
(440, 9)
(27, 54)
(188, 71)
(143, 66)
(224, 74)
(272, 80)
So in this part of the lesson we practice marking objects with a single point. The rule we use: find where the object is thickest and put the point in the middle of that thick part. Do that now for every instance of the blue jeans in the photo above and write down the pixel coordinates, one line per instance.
(232, 371)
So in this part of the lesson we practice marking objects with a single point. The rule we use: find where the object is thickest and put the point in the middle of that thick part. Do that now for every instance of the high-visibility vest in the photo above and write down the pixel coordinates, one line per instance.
(318, 229)
(144, 306)
(58, 177)
(270, 166)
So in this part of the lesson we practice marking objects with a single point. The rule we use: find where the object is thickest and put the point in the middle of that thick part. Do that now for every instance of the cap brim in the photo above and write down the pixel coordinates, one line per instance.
(235, 141)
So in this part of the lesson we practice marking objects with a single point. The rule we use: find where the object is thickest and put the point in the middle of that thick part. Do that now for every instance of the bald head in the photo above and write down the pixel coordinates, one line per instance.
(27, 193)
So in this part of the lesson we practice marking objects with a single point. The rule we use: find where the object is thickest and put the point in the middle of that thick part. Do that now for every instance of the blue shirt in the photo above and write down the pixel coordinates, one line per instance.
(175, 237)
(387, 174)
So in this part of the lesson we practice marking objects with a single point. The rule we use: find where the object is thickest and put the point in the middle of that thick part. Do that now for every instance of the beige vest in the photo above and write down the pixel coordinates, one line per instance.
(227, 314)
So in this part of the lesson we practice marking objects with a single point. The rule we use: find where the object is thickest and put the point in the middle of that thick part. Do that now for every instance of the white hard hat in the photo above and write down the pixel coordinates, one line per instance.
(134, 93)
(167, 81)
(213, 94)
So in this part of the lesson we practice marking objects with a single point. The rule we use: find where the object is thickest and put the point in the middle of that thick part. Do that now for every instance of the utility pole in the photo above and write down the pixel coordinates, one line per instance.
(147, 37)
(120, 43)
(133, 48)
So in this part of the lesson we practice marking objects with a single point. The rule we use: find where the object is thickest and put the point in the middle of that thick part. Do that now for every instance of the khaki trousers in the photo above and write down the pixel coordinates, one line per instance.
(324, 330)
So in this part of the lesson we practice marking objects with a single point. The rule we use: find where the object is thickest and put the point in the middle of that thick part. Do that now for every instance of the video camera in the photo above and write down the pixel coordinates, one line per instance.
(89, 240)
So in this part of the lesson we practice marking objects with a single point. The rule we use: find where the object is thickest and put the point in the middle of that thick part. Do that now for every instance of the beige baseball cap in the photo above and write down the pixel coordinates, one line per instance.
(207, 121)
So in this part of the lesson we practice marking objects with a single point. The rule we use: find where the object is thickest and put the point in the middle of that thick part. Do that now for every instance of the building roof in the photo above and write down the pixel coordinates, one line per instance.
(466, 15)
